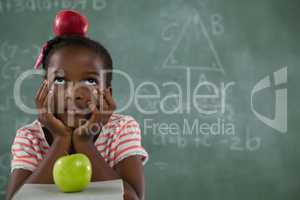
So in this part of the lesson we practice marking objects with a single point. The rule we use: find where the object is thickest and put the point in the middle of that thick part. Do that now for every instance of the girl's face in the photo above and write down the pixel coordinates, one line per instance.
(74, 74)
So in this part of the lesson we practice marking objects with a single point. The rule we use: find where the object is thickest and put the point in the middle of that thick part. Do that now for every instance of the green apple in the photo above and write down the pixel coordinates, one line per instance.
(72, 173)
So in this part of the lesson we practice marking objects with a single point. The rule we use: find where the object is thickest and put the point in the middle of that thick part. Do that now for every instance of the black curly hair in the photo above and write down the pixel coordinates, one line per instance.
(63, 41)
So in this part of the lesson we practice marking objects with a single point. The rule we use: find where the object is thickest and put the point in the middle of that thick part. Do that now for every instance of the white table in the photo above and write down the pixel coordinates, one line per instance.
(104, 190)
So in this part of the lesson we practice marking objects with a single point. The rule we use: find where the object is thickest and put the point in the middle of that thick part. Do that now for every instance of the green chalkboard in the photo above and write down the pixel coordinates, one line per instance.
(211, 82)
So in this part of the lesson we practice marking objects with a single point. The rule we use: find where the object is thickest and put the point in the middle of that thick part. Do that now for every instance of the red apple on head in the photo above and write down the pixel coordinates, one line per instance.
(70, 22)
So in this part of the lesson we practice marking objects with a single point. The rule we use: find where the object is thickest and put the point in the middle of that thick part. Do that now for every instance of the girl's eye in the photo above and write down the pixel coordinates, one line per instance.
(59, 81)
(90, 81)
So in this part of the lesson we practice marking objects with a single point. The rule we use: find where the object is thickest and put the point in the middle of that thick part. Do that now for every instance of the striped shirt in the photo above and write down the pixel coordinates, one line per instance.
(119, 139)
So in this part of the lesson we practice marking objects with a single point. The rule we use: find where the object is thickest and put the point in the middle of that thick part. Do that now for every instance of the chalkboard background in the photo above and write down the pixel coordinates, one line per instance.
(204, 46)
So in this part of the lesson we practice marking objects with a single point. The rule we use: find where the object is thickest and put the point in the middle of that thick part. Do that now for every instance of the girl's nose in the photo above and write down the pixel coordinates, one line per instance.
(77, 94)
(69, 91)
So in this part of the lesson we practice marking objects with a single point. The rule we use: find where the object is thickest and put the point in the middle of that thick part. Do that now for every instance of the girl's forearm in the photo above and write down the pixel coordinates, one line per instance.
(43, 173)
(101, 170)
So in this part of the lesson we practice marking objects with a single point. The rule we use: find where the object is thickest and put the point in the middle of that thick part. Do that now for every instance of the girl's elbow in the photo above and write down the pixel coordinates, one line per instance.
(130, 195)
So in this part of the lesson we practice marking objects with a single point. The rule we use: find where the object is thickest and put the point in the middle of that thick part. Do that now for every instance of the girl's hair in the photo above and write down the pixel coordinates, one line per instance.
(63, 41)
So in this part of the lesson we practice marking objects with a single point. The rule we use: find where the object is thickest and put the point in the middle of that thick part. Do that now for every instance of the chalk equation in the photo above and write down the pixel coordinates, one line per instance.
(233, 143)
(193, 46)
(19, 6)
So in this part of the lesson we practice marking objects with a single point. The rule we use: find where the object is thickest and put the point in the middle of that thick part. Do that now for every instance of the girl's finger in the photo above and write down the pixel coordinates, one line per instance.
(39, 103)
(94, 95)
(51, 99)
(44, 93)
(109, 99)
(48, 103)
(93, 108)
(107, 109)
(95, 118)
(97, 94)
(101, 103)
(105, 106)
(40, 90)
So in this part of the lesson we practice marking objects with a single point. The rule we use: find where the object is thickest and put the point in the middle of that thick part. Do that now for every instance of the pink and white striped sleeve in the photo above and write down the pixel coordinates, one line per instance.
(23, 153)
(130, 142)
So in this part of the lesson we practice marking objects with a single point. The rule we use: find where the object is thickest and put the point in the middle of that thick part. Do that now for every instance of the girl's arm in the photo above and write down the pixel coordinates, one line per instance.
(61, 134)
(43, 173)
(130, 170)
(17, 178)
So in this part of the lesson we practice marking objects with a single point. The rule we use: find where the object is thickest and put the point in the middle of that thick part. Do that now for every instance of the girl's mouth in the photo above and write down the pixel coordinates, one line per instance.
(75, 111)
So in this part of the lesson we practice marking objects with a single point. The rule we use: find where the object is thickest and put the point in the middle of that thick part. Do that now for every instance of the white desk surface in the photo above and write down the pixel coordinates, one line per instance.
(104, 190)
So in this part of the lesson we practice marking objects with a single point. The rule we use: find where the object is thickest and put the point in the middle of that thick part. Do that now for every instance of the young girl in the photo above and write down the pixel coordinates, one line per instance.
(114, 149)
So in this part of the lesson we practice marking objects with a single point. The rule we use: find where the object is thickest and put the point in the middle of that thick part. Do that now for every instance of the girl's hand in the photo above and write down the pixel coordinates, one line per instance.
(44, 104)
(101, 112)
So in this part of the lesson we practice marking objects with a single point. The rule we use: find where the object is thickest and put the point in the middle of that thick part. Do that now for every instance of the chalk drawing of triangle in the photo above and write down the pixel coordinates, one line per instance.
(194, 48)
